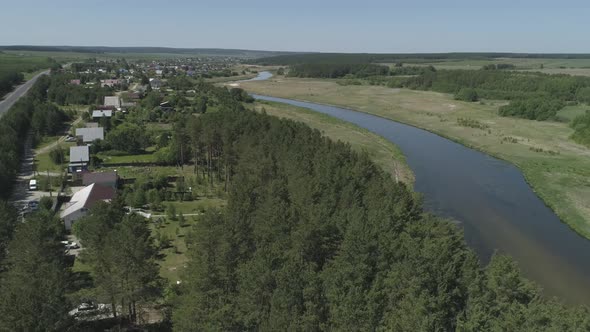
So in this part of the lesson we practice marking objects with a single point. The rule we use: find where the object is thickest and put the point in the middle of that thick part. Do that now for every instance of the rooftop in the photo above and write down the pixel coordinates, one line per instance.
(79, 154)
(102, 113)
(86, 197)
(90, 134)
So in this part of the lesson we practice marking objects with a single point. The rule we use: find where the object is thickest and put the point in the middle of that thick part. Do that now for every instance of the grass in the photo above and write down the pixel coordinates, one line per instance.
(569, 113)
(43, 163)
(174, 256)
(132, 158)
(381, 151)
(557, 168)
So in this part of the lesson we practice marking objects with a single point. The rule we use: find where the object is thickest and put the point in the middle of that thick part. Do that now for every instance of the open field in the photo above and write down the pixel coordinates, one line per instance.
(381, 151)
(557, 168)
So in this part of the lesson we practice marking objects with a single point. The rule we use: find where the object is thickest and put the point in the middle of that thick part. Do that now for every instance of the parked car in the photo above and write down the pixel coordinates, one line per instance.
(33, 184)
(33, 205)
(72, 245)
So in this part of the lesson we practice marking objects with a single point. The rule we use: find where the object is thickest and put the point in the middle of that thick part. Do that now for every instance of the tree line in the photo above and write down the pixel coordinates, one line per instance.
(317, 237)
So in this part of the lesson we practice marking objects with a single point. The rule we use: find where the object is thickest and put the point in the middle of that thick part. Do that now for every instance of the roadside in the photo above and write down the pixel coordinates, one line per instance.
(18, 92)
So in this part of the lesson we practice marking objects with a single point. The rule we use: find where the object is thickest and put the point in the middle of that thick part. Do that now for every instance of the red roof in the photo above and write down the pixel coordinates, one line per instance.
(99, 193)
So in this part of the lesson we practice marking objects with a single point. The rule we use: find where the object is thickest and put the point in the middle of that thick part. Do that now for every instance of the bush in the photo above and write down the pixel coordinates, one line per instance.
(57, 155)
(171, 212)
(46, 202)
(467, 94)
(581, 125)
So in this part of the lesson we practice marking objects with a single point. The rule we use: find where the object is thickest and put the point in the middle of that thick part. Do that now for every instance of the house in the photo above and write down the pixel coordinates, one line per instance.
(75, 82)
(112, 101)
(83, 200)
(155, 83)
(99, 114)
(79, 158)
(88, 135)
(105, 179)
(166, 107)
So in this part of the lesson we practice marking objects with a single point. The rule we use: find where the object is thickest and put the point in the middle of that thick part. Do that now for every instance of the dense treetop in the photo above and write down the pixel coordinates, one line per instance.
(316, 237)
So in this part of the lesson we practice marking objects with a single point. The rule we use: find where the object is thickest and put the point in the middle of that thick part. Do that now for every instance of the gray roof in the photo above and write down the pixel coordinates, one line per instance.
(112, 101)
(90, 134)
(100, 114)
(79, 153)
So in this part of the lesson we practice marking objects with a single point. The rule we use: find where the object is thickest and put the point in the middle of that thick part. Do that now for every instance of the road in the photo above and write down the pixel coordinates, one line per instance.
(13, 96)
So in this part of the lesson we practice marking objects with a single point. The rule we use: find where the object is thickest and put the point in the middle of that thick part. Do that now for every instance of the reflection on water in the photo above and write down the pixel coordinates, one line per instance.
(490, 199)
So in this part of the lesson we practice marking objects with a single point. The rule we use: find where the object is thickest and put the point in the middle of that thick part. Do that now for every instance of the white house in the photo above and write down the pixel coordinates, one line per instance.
(83, 200)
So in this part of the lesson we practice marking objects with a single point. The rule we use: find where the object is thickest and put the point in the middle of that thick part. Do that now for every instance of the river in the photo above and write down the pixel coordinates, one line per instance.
(489, 198)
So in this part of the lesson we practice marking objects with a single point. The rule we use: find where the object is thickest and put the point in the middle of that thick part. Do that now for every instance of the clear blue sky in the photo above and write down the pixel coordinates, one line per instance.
(303, 25)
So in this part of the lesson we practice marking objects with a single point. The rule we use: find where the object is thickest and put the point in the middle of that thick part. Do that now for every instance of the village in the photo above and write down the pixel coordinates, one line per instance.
(120, 149)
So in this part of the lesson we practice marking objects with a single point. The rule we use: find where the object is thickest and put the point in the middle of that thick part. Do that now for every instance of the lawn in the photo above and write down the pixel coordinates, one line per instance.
(132, 158)
(43, 163)
(557, 168)
(174, 256)
(381, 151)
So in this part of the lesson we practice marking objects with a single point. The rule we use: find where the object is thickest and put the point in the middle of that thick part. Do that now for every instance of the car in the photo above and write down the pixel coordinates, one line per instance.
(33, 184)
(86, 306)
(33, 205)
(70, 139)
(72, 245)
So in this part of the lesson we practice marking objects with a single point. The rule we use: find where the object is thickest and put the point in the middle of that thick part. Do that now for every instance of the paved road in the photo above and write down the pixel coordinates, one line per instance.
(12, 97)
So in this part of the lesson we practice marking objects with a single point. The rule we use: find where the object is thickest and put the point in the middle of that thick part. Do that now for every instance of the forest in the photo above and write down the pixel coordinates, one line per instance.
(34, 113)
(316, 237)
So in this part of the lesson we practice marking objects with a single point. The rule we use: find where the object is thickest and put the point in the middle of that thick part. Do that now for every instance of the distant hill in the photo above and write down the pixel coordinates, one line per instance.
(351, 58)
(148, 50)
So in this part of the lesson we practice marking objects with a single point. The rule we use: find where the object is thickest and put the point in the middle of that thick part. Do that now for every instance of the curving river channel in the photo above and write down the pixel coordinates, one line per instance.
(489, 198)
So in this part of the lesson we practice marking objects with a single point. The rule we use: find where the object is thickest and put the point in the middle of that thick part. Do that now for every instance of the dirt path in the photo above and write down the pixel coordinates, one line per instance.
(62, 139)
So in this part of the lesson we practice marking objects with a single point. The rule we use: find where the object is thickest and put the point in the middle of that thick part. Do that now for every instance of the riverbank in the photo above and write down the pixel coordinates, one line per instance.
(556, 168)
(384, 153)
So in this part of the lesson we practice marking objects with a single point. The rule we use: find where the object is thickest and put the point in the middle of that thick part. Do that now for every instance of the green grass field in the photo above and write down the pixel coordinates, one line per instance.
(557, 168)
(381, 151)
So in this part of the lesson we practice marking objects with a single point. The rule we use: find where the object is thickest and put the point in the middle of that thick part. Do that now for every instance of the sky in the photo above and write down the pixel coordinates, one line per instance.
(372, 26)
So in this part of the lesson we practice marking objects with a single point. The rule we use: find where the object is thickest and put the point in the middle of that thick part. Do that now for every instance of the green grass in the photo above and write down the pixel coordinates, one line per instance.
(381, 151)
(557, 168)
(43, 163)
(174, 257)
(134, 158)
(569, 113)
